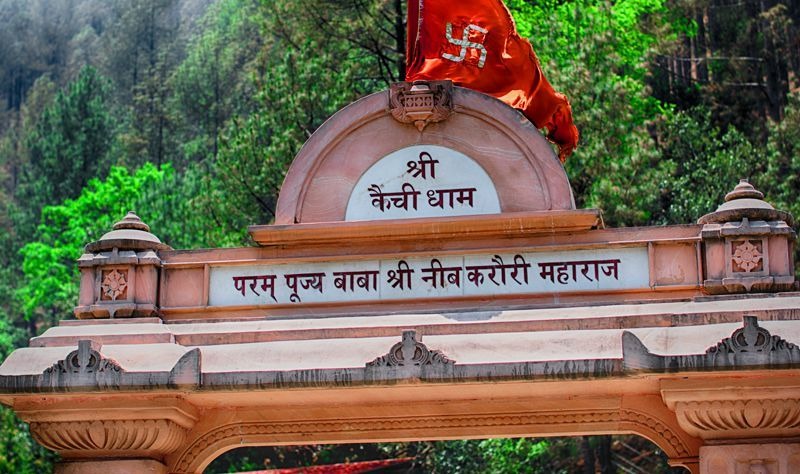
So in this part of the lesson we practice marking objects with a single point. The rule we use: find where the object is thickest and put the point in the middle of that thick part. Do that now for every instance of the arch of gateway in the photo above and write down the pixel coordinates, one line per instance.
(427, 277)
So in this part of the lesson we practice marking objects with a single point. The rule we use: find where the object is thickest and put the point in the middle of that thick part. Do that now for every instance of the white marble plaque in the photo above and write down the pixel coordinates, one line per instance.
(430, 277)
(422, 181)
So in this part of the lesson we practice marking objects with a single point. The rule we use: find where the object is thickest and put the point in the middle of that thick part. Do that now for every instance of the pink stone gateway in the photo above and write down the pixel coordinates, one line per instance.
(427, 277)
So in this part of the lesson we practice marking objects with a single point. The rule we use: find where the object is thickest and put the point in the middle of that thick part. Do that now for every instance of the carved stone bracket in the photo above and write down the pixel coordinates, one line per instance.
(113, 428)
(410, 352)
(749, 346)
(421, 103)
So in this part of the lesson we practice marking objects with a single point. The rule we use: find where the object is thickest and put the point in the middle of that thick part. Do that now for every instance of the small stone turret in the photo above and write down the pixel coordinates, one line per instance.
(749, 245)
(120, 272)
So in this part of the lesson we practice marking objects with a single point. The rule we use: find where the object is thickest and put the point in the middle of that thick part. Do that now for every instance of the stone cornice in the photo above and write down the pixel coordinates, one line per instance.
(87, 369)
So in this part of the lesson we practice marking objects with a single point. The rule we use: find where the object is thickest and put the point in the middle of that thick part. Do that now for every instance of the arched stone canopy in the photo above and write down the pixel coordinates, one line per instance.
(517, 158)
(616, 416)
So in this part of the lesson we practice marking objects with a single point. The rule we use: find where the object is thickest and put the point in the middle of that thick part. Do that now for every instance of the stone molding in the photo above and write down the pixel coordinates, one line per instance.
(751, 458)
(666, 438)
(113, 466)
(200, 451)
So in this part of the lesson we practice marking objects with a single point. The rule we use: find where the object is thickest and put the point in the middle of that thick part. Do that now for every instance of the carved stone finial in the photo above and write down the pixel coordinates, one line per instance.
(120, 272)
(421, 103)
(131, 221)
(745, 202)
(410, 352)
(744, 190)
(739, 238)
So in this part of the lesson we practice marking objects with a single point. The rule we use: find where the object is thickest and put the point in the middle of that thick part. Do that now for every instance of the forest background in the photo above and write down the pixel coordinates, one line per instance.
(190, 111)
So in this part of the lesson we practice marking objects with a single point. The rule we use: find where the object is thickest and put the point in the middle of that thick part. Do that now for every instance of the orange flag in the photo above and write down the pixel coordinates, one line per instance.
(475, 44)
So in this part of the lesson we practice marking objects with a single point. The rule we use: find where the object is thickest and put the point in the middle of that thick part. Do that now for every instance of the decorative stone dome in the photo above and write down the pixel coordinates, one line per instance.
(745, 201)
(131, 233)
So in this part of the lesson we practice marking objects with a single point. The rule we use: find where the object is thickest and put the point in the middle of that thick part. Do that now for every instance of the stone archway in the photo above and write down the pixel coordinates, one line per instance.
(537, 320)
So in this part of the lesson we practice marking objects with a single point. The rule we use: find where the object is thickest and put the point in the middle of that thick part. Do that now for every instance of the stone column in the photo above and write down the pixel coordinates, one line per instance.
(773, 458)
(120, 466)
(749, 426)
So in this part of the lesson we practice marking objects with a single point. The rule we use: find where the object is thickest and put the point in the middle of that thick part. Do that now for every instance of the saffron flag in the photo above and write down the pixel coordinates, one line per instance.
(475, 44)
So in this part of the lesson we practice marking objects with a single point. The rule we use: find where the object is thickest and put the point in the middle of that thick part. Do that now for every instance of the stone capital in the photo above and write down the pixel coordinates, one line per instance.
(150, 430)
(718, 413)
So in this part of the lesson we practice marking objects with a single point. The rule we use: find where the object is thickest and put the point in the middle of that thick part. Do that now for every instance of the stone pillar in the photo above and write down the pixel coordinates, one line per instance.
(119, 466)
(120, 273)
(749, 426)
(773, 458)
(749, 245)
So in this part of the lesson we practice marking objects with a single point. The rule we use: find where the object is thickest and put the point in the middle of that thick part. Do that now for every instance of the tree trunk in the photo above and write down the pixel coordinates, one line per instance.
(588, 456)
(400, 35)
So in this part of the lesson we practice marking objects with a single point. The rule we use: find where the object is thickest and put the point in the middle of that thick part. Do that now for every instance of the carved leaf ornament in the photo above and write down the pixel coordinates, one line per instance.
(410, 352)
(751, 338)
(85, 360)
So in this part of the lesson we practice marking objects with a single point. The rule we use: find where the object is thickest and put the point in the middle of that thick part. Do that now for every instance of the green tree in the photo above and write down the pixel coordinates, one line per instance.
(216, 79)
(706, 163)
(298, 93)
(597, 54)
(69, 144)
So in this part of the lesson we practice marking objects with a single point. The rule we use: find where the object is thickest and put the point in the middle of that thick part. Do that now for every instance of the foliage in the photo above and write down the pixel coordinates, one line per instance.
(782, 159)
(214, 80)
(69, 143)
(592, 52)
(19, 453)
(706, 163)
(256, 151)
